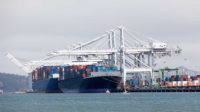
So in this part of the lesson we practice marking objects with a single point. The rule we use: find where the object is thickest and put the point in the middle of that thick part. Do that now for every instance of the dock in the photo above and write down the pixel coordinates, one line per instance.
(166, 90)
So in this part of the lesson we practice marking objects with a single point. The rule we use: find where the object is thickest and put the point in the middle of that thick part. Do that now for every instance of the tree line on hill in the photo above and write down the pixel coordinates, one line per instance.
(13, 82)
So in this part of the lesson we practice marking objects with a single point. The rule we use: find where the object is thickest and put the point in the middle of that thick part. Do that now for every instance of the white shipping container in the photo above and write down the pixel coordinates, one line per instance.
(55, 75)
(174, 83)
(97, 74)
(184, 83)
(179, 83)
(188, 76)
(196, 82)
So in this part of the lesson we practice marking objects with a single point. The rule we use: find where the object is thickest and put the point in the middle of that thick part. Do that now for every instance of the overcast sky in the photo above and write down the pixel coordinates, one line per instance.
(32, 28)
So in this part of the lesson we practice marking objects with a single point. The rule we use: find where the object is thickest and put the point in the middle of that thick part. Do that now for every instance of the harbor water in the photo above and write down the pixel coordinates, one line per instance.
(114, 102)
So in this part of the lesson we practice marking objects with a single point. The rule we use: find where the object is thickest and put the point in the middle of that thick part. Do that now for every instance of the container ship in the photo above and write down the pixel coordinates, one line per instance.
(76, 79)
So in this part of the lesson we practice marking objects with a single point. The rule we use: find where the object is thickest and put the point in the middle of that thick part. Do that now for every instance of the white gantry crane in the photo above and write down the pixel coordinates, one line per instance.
(117, 47)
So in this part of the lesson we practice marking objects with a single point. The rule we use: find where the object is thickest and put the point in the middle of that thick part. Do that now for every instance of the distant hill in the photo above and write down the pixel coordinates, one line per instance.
(13, 82)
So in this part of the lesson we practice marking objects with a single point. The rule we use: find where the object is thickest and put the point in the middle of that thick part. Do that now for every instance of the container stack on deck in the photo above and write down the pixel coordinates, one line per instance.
(67, 72)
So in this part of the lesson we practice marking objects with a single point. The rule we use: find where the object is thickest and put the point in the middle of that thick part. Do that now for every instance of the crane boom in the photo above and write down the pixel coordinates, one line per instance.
(18, 63)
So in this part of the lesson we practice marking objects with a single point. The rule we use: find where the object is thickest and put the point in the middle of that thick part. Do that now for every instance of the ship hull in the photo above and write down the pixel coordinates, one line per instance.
(99, 84)
(71, 85)
(76, 79)
(46, 86)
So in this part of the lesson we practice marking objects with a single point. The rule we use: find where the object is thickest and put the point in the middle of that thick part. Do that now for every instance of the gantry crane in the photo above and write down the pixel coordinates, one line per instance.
(117, 47)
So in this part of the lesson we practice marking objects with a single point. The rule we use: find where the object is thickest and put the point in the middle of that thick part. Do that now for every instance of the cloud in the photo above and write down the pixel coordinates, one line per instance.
(30, 28)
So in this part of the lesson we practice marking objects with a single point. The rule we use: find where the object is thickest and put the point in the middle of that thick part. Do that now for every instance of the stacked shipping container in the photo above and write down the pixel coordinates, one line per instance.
(66, 72)
(182, 81)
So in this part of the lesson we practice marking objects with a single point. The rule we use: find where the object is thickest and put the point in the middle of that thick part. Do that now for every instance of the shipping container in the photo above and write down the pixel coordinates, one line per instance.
(163, 83)
(169, 84)
(132, 83)
(184, 83)
(174, 83)
(179, 83)
(167, 78)
(196, 83)
(190, 84)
